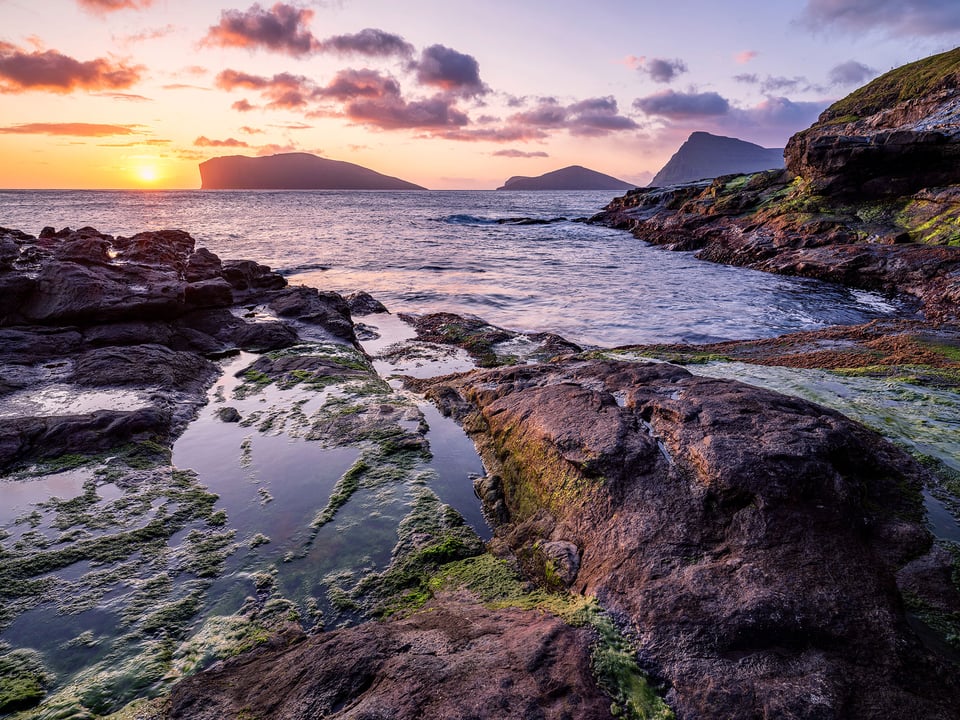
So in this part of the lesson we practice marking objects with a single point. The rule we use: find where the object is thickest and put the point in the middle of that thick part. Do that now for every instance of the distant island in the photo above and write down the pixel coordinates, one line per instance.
(574, 177)
(293, 171)
(705, 156)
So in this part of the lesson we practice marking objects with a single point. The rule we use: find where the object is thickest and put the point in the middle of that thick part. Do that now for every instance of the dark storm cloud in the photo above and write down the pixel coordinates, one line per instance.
(851, 73)
(51, 71)
(898, 17)
(452, 71)
(371, 42)
(674, 105)
(282, 29)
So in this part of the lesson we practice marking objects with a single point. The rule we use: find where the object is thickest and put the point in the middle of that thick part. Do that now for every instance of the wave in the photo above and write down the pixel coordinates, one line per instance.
(306, 267)
(462, 219)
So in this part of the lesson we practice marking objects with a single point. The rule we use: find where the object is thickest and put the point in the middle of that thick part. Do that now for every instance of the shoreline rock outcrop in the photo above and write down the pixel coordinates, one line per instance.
(870, 197)
(749, 541)
(146, 313)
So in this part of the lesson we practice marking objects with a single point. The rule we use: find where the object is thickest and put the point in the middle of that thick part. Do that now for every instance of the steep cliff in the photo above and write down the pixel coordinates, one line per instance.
(293, 171)
(708, 156)
(895, 135)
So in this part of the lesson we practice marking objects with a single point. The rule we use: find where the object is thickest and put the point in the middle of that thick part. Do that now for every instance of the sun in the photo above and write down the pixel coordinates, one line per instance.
(147, 173)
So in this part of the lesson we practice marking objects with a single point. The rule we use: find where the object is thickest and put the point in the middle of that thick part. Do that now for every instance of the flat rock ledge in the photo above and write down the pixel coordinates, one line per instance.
(149, 315)
(748, 541)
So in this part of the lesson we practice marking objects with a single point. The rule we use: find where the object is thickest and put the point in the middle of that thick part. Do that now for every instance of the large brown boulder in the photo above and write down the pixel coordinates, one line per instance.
(457, 659)
(749, 540)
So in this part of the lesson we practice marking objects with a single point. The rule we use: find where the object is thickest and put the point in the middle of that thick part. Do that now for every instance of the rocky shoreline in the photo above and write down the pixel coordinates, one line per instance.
(665, 545)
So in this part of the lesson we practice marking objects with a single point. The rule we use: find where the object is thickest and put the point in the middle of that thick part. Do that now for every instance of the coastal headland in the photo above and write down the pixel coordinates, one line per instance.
(663, 544)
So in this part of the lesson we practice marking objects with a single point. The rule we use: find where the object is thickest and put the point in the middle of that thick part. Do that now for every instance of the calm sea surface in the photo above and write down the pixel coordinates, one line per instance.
(434, 250)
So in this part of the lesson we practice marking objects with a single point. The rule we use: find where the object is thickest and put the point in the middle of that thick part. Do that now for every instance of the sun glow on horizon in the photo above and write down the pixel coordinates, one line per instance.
(147, 174)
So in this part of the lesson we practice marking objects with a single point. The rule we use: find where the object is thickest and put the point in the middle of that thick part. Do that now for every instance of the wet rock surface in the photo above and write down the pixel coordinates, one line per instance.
(147, 312)
(749, 540)
(775, 223)
(488, 344)
(455, 659)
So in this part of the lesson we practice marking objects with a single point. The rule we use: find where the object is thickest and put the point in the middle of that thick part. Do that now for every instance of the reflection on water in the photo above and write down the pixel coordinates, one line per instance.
(924, 420)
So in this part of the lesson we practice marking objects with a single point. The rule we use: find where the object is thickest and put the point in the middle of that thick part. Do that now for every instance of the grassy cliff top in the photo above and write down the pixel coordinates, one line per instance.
(903, 83)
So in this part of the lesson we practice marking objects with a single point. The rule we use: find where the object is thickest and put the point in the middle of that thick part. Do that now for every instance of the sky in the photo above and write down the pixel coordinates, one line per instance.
(449, 95)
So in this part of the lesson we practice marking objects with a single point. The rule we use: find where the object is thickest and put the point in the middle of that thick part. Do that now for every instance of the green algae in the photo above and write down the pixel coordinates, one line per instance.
(430, 535)
(23, 679)
(346, 486)
(613, 657)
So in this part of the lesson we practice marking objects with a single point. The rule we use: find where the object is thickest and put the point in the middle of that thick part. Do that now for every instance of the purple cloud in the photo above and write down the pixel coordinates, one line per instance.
(905, 18)
(593, 116)
(283, 90)
(511, 153)
(597, 116)
(392, 112)
(674, 105)
(662, 70)
(282, 29)
(452, 71)
(352, 84)
(370, 42)
(851, 73)
(51, 71)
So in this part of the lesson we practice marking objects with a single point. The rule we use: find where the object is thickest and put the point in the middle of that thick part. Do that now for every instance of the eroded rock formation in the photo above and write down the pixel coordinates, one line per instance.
(749, 540)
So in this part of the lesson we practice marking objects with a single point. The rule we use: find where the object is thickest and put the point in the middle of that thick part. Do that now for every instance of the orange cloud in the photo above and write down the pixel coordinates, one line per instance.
(745, 56)
(74, 129)
(51, 71)
(101, 7)
(204, 141)
(282, 28)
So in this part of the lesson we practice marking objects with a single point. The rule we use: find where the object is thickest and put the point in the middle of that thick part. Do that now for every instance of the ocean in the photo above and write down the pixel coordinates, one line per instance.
(466, 252)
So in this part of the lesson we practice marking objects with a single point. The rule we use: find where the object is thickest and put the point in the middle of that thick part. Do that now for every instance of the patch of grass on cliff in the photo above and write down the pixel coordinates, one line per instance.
(903, 83)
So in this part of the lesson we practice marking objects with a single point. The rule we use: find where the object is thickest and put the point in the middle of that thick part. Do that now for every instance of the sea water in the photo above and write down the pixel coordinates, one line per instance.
(468, 252)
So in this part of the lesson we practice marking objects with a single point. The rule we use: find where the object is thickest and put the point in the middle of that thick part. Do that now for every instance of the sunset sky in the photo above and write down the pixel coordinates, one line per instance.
(135, 93)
